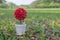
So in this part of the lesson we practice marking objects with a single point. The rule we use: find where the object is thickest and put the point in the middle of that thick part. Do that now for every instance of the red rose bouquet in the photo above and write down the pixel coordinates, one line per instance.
(20, 14)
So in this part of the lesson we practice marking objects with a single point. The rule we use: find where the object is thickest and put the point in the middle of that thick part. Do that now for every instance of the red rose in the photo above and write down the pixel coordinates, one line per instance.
(20, 14)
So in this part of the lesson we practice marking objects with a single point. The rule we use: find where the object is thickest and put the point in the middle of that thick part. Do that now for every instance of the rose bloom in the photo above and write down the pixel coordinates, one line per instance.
(20, 14)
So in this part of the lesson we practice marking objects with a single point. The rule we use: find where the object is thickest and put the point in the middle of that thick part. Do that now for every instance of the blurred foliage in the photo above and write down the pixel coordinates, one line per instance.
(3, 6)
(35, 4)
(45, 4)
(9, 5)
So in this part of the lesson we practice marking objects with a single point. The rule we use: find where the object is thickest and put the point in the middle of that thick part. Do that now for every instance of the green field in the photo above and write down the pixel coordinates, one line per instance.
(44, 23)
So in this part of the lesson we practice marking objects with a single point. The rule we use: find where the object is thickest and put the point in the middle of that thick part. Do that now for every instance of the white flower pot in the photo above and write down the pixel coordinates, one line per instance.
(20, 29)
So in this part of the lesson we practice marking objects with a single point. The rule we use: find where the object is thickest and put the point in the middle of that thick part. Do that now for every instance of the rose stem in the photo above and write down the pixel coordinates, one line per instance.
(21, 21)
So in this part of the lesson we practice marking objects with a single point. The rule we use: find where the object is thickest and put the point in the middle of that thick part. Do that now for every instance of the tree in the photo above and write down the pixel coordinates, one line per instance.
(45, 3)
(57, 0)
(2, 1)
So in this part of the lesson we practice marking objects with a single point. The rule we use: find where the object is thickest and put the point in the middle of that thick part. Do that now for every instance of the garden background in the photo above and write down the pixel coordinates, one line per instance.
(43, 20)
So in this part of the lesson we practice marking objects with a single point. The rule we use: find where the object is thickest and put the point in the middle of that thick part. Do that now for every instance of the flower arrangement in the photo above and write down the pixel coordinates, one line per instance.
(20, 14)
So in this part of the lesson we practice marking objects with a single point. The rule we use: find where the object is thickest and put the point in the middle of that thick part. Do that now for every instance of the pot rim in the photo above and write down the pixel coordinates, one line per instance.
(20, 24)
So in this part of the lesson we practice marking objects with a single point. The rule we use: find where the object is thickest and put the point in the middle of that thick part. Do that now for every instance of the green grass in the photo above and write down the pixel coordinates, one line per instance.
(39, 20)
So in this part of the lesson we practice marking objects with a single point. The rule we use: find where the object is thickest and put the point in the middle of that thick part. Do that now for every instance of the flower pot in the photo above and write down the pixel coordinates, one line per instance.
(20, 29)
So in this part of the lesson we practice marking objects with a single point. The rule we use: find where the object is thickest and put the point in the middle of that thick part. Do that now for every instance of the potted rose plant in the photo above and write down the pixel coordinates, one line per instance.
(20, 14)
